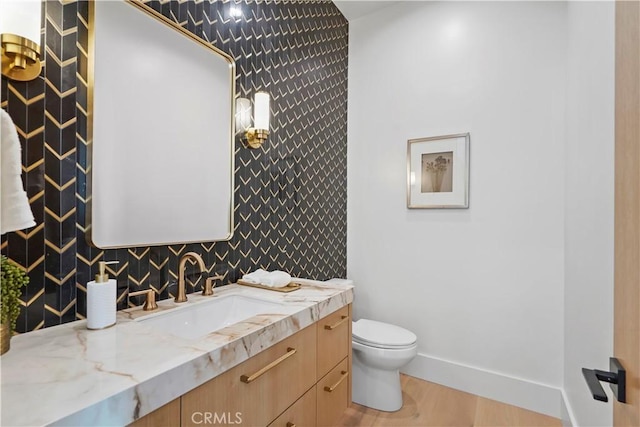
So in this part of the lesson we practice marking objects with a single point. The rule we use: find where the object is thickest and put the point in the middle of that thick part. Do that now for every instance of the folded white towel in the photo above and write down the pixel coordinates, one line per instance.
(256, 277)
(15, 212)
(274, 279)
(277, 279)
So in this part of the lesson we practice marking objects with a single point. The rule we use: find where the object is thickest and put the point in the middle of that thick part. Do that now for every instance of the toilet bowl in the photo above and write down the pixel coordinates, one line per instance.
(379, 351)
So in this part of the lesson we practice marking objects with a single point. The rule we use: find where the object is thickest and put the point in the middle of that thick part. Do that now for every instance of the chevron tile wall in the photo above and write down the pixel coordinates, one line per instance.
(290, 195)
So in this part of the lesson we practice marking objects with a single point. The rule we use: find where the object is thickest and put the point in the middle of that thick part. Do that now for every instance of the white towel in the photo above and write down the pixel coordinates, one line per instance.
(274, 279)
(277, 279)
(256, 277)
(15, 212)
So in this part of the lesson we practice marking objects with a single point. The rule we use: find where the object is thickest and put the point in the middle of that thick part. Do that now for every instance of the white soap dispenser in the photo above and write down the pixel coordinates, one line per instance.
(101, 299)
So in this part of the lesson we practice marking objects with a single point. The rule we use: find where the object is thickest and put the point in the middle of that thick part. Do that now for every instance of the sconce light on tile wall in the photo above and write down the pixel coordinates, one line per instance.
(20, 38)
(254, 136)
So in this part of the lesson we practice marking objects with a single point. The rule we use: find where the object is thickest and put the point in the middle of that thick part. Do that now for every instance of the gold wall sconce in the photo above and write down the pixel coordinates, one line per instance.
(20, 22)
(253, 136)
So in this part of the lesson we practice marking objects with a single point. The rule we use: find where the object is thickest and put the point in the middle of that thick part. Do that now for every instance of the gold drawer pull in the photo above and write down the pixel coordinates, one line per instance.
(345, 374)
(290, 424)
(247, 379)
(338, 323)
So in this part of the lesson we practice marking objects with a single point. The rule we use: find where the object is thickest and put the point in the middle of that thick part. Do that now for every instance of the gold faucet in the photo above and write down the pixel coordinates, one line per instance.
(182, 295)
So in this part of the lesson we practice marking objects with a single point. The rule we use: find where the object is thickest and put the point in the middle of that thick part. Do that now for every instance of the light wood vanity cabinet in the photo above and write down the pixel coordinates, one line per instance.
(303, 381)
(259, 389)
(334, 340)
(333, 394)
(334, 366)
(300, 414)
(167, 415)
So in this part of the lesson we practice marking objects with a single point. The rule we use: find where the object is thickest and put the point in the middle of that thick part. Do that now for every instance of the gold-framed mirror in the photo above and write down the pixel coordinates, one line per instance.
(161, 131)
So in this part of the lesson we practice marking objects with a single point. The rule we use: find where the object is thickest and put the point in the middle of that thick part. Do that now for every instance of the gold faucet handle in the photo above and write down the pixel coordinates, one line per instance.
(209, 284)
(150, 302)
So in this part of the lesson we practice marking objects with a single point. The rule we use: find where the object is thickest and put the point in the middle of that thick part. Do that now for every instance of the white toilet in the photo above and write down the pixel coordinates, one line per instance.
(379, 351)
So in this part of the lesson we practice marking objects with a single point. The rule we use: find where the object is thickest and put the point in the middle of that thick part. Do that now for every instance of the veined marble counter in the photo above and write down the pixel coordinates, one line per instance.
(70, 376)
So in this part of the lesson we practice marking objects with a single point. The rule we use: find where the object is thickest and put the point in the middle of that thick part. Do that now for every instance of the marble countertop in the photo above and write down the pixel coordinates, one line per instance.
(70, 376)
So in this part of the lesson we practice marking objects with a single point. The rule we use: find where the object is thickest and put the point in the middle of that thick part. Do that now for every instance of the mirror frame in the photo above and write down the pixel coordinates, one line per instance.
(139, 5)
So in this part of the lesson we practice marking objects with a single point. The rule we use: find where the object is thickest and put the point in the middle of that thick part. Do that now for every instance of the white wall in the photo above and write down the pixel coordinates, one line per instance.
(482, 288)
(589, 205)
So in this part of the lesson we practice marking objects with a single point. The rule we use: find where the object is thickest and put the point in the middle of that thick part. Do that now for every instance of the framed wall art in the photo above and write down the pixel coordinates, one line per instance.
(438, 172)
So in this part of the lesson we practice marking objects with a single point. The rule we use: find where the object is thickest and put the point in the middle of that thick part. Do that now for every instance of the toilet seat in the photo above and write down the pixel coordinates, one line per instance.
(382, 335)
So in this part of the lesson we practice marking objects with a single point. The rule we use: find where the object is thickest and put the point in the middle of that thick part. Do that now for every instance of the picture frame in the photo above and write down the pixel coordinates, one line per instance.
(438, 172)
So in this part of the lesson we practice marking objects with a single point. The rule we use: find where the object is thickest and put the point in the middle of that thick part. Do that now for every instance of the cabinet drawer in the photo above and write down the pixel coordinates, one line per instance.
(333, 394)
(333, 339)
(300, 414)
(256, 391)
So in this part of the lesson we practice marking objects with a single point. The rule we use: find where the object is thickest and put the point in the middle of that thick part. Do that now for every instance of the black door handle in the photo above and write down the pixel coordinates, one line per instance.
(616, 379)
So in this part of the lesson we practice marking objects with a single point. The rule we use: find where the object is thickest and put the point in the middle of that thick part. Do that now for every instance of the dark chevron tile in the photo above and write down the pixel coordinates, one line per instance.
(290, 195)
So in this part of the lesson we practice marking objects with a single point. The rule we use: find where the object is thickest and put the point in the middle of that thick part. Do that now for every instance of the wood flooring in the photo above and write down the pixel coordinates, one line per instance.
(429, 405)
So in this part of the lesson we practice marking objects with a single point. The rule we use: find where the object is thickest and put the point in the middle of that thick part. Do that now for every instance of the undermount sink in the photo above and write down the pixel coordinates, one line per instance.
(200, 319)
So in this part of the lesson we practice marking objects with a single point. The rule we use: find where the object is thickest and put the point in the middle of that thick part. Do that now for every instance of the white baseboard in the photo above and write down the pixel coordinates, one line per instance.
(568, 419)
(525, 394)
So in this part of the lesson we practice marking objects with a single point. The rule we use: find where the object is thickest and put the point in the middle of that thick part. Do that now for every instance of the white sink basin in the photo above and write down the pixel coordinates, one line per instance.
(200, 319)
